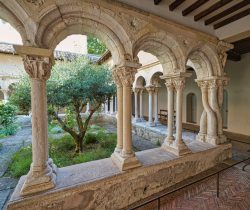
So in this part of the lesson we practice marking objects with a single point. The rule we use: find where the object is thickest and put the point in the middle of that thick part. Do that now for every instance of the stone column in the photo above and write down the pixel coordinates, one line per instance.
(87, 109)
(115, 103)
(111, 105)
(179, 85)
(221, 83)
(156, 120)
(106, 107)
(126, 159)
(6, 95)
(211, 135)
(42, 174)
(150, 90)
(170, 87)
(136, 91)
(119, 90)
(141, 106)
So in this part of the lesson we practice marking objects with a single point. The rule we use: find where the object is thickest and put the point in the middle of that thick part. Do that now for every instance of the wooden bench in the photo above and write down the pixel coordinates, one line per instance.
(163, 116)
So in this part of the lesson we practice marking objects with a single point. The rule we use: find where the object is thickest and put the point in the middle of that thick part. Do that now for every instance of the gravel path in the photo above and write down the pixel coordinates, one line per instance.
(11, 145)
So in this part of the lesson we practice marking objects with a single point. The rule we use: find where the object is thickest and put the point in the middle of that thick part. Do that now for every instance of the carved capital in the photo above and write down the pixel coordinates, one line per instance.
(213, 84)
(136, 90)
(179, 83)
(116, 78)
(126, 75)
(169, 84)
(150, 88)
(203, 83)
(222, 48)
(38, 67)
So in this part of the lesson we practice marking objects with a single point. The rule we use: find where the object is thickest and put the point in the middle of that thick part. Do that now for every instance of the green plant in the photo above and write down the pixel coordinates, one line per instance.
(7, 119)
(1, 146)
(158, 143)
(72, 86)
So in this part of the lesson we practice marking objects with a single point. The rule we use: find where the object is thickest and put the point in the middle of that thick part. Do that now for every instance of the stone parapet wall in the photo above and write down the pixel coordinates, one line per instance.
(111, 189)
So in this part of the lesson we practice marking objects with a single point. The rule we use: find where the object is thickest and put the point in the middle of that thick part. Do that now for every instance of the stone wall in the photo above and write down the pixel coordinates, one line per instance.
(121, 189)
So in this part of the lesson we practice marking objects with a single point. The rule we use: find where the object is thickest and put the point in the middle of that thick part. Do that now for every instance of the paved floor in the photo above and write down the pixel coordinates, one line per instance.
(234, 193)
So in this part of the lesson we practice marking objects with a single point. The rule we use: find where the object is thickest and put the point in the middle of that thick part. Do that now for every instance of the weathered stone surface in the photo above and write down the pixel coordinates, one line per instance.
(95, 185)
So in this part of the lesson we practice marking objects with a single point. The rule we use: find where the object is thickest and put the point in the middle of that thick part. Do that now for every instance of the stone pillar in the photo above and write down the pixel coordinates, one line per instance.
(111, 105)
(211, 135)
(115, 103)
(119, 91)
(136, 91)
(126, 159)
(42, 174)
(177, 82)
(221, 83)
(156, 120)
(150, 90)
(141, 105)
(87, 108)
(6, 95)
(170, 87)
(179, 86)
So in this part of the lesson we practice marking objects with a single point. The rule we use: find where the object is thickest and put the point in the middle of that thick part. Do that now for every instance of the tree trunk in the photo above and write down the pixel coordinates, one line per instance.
(79, 145)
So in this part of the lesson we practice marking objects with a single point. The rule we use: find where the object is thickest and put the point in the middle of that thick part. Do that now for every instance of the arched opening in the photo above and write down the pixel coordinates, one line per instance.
(224, 109)
(191, 106)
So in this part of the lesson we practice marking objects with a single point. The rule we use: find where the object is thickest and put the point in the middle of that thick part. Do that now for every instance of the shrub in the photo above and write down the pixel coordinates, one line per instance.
(90, 138)
(1, 146)
(7, 119)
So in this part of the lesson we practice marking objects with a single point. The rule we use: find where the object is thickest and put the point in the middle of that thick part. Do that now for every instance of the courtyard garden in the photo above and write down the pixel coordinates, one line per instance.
(98, 143)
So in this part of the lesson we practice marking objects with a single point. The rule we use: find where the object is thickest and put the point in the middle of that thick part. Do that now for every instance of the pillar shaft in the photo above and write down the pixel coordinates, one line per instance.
(156, 120)
(170, 89)
(136, 91)
(150, 90)
(119, 145)
(42, 172)
(141, 105)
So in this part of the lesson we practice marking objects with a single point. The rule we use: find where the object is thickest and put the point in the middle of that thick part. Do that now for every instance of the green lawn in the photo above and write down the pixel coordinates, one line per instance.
(98, 144)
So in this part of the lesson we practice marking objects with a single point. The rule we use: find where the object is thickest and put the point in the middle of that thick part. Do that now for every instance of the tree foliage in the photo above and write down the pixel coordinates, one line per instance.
(95, 46)
(72, 85)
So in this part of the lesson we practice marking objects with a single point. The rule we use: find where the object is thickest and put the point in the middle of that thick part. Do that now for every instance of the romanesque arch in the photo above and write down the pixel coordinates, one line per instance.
(164, 47)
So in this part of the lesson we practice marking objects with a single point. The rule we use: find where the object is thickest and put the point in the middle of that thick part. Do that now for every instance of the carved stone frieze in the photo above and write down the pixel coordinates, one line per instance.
(37, 67)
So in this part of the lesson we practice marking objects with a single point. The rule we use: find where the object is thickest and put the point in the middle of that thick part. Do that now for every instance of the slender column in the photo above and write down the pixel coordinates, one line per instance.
(106, 107)
(156, 120)
(150, 90)
(211, 135)
(6, 95)
(111, 111)
(115, 104)
(87, 109)
(42, 172)
(141, 105)
(119, 91)
(136, 91)
(126, 159)
(170, 88)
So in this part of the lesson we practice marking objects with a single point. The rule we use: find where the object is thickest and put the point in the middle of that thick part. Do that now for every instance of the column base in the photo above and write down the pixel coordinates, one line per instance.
(201, 137)
(157, 122)
(223, 139)
(178, 150)
(125, 163)
(136, 120)
(40, 181)
(142, 119)
(150, 124)
(213, 140)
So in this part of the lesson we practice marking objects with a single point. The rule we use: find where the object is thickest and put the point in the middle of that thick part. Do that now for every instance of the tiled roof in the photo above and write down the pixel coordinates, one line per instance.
(59, 55)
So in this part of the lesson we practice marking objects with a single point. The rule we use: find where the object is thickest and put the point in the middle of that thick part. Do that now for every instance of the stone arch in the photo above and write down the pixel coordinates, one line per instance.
(140, 81)
(164, 47)
(204, 60)
(155, 77)
(8, 16)
(54, 27)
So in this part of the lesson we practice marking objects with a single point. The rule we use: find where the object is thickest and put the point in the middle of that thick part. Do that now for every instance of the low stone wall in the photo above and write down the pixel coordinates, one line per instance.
(144, 132)
(113, 189)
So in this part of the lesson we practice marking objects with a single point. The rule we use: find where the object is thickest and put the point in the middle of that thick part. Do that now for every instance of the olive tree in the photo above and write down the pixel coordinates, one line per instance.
(71, 86)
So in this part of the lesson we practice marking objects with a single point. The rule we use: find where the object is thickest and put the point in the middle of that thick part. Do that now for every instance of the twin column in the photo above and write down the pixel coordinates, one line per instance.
(175, 83)
(123, 155)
